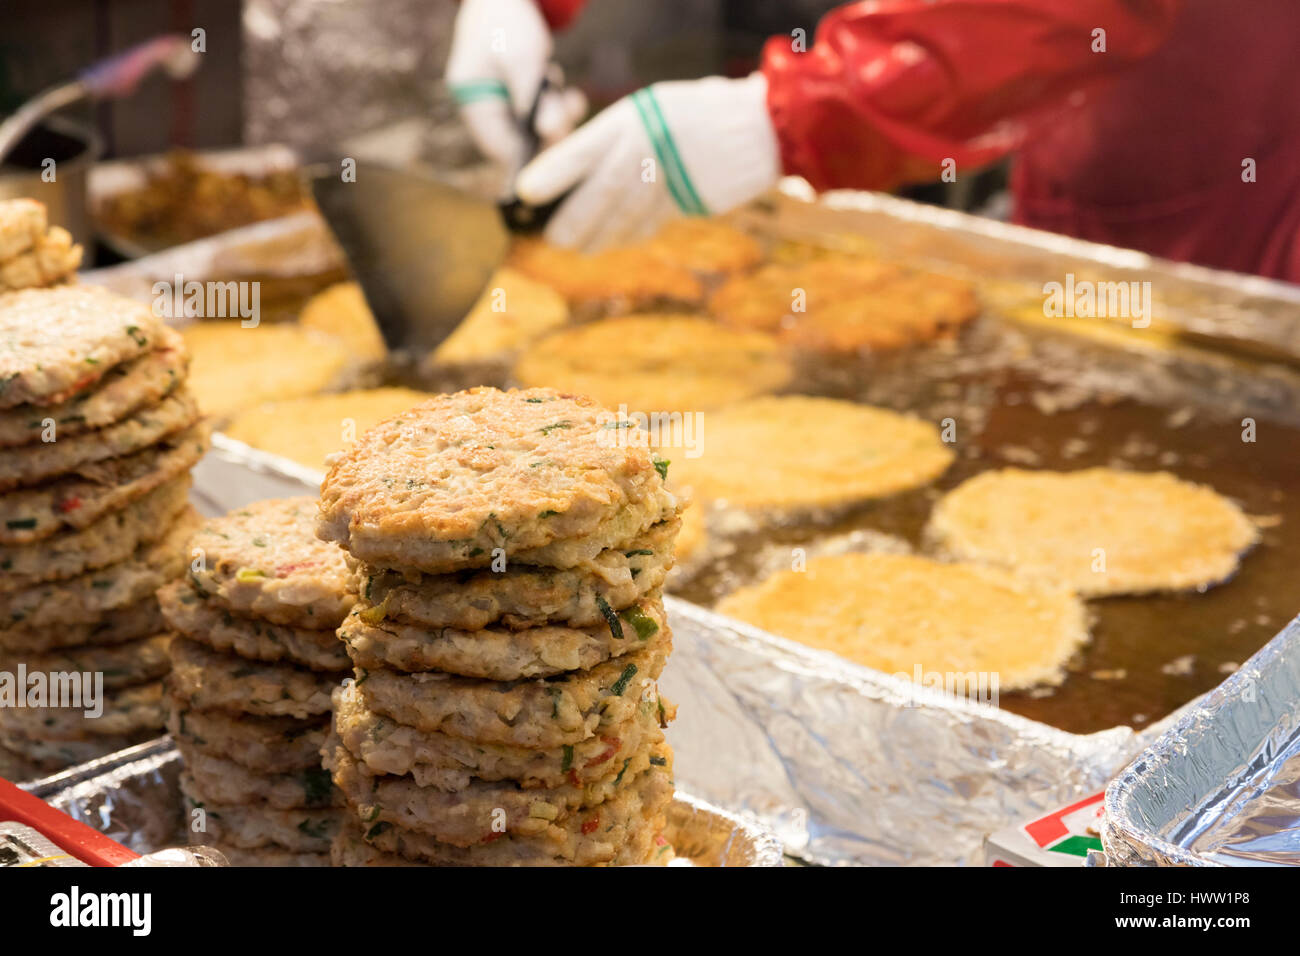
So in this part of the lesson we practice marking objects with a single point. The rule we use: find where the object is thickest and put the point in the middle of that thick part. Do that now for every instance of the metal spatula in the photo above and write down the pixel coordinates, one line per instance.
(422, 250)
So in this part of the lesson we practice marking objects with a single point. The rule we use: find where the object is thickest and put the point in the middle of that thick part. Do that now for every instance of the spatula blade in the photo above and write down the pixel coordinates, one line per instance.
(423, 251)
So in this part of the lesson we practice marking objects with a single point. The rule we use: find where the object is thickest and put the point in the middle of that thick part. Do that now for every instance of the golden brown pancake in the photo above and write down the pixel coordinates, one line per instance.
(898, 613)
(650, 363)
(843, 305)
(798, 452)
(1098, 531)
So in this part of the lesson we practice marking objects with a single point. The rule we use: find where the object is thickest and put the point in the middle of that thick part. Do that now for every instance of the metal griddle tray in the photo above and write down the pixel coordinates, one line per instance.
(842, 760)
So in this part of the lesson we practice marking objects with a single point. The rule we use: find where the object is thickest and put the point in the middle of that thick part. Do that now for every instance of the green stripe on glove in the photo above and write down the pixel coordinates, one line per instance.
(475, 90)
(676, 178)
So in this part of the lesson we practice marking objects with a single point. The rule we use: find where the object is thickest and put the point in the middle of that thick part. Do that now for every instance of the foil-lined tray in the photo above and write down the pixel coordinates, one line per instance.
(134, 797)
(844, 762)
(1222, 786)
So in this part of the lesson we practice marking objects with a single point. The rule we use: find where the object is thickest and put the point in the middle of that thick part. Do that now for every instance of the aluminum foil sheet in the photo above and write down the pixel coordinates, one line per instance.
(1222, 786)
(839, 760)
(134, 797)
(843, 762)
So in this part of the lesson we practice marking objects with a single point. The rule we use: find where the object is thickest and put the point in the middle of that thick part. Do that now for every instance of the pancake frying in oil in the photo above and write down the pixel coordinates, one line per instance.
(898, 612)
(797, 452)
(652, 363)
(844, 305)
(1099, 531)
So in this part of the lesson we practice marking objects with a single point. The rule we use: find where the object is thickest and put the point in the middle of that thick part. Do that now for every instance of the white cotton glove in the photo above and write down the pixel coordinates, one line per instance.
(696, 147)
(500, 52)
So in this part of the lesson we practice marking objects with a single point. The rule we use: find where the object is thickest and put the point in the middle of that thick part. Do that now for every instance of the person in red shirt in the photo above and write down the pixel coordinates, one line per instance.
(1170, 126)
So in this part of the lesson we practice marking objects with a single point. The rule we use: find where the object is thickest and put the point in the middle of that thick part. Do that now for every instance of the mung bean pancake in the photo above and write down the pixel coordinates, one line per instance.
(266, 744)
(233, 368)
(310, 429)
(899, 613)
(534, 473)
(705, 246)
(264, 560)
(52, 260)
(124, 388)
(214, 681)
(111, 539)
(341, 313)
(845, 304)
(522, 595)
(657, 363)
(224, 781)
(541, 714)
(251, 827)
(618, 279)
(87, 597)
(271, 857)
(57, 342)
(112, 627)
(468, 816)
(905, 311)
(796, 452)
(29, 464)
(125, 711)
(500, 653)
(450, 763)
(123, 664)
(513, 311)
(96, 489)
(52, 755)
(620, 831)
(248, 637)
(22, 224)
(768, 299)
(1098, 530)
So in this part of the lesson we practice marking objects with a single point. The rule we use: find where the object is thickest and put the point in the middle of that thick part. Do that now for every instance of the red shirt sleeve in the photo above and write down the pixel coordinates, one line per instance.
(560, 13)
(891, 88)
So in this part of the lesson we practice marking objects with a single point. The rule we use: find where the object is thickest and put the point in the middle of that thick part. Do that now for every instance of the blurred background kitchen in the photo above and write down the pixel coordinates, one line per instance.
(358, 77)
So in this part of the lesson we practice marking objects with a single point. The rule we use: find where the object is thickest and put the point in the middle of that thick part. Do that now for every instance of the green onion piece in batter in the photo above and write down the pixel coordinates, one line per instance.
(624, 679)
(661, 466)
(619, 778)
(615, 628)
(568, 758)
(641, 622)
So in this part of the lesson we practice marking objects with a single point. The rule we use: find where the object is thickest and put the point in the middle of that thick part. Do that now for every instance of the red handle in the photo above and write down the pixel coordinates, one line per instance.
(86, 844)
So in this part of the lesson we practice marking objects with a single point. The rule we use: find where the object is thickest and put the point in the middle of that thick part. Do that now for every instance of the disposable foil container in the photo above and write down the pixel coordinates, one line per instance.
(846, 764)
(134, 797)
(1221, 787)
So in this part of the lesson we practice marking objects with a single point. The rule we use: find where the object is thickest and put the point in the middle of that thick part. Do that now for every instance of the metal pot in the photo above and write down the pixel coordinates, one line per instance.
(74, 147)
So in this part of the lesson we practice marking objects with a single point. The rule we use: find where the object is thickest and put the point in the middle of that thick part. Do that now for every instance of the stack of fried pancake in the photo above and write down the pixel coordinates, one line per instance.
(509, 551)
(33, 255)
(97, 436)
(253, 665)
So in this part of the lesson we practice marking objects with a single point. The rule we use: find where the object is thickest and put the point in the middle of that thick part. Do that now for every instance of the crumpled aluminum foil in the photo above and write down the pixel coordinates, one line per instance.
(843, 761)
(1220, 786)
(839, 760)
(134, 797)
